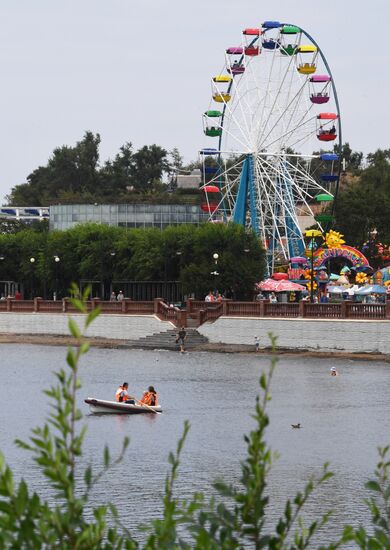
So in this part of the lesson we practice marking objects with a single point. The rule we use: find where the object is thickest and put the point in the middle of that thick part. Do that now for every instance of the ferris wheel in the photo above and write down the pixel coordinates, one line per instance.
(274, 104)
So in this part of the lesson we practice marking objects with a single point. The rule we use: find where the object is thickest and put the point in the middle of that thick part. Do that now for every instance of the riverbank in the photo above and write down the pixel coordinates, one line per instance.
(320, 337)
(108, 343)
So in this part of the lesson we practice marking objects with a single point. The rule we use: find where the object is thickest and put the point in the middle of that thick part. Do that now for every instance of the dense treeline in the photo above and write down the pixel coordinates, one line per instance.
(94, 252)
(75, 175)
(363, 203)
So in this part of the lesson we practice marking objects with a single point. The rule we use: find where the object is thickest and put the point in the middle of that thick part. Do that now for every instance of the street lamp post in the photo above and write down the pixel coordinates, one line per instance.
(215, 256)
(112, 255)
(32, 262)
(215, 272)
(57, 261)
(372, 240)
(312, 234)
(177, 289)
(6, 290)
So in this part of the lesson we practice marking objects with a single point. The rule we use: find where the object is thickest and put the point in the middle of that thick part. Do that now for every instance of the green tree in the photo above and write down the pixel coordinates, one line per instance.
(73, 174)
(241, 261)
(69, 169)
(96, 252)
(353, 159)
(150, 163)
(116, 175)
(365, 205)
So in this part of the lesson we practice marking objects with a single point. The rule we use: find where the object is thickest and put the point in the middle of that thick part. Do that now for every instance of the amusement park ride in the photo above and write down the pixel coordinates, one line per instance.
(273, 103)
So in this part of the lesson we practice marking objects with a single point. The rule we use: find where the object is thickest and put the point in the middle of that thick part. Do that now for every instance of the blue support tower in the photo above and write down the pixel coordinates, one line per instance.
(246, 196)
(296, 246)
(247, 201)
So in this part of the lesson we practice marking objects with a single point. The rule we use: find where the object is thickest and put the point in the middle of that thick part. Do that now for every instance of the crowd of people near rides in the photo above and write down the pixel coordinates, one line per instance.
(321, 298)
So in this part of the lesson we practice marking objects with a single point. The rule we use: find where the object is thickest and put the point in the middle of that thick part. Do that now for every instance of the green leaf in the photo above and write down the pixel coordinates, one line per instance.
(84, 347)
(373, 486)
(21, 498)
(106, 456)
(74, 328)
(88, 476)
(92, 315)
(71, 358)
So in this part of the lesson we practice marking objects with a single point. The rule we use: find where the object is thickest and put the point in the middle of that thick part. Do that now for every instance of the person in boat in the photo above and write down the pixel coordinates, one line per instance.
(150, 397)
(122, 394)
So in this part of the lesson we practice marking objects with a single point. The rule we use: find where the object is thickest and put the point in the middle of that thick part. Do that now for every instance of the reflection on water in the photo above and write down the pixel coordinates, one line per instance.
(344, 419)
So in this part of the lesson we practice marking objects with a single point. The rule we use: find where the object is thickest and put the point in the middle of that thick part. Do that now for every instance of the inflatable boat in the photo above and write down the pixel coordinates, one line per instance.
(102, 406)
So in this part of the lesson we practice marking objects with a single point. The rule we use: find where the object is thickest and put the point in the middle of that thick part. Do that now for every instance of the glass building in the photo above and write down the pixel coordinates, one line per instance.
(126, 215)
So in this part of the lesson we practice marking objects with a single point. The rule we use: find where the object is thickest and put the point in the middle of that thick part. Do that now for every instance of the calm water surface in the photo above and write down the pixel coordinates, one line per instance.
(344, 419)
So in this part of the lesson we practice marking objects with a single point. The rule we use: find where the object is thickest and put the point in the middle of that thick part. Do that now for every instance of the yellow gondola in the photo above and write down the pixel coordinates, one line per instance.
(222, 97)
(307, 68)
(306, 49)
(222, 78)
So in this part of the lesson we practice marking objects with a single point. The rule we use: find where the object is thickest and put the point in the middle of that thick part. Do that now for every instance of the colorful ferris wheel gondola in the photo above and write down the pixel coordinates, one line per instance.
(267, 129)
(327, 128)
(251, 42)
(234, 60)
(289, 39)
(320, 89)
(212, 123)
(210, 198)
(306, 59)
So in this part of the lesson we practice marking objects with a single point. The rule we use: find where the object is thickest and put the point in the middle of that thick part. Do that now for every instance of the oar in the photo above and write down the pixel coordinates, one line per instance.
(146, 406)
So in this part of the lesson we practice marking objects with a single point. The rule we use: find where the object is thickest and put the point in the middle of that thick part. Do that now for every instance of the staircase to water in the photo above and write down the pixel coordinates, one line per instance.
(166, 340)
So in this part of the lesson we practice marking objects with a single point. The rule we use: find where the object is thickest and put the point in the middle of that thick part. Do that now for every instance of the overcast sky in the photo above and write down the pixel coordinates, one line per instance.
(139, 70)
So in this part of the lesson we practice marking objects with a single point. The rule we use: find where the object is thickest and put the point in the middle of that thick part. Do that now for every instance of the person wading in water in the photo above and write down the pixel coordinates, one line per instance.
(181, 336)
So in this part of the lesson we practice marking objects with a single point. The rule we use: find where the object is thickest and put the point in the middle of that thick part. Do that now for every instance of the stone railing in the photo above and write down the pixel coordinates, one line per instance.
(170, 313)
(340, 310)
(201, 312)
(38, 305)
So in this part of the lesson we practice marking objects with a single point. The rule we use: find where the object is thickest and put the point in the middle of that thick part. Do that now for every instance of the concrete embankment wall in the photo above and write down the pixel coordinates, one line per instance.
(120, 327)
(350, 336)
(295, 334)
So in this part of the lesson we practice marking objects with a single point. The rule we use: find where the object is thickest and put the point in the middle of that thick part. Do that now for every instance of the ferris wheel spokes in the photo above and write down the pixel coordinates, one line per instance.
(267, 132)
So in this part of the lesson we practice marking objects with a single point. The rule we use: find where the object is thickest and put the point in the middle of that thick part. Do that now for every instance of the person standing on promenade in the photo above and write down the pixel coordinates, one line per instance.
(218, 297)
(209, 297)
(113, 297)
(120, 296)
(273, 299)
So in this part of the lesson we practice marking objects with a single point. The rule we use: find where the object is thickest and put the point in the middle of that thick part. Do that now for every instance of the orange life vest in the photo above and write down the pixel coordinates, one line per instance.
(149, 398)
